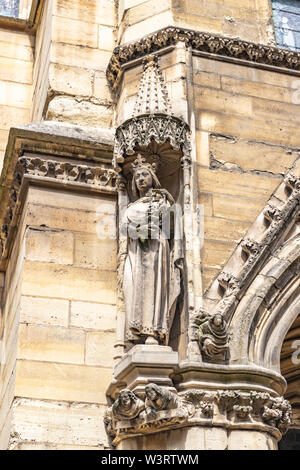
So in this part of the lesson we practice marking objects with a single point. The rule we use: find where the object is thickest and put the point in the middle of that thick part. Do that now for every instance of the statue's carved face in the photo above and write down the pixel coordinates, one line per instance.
(125, 398)
(143, 179)
(151, 393)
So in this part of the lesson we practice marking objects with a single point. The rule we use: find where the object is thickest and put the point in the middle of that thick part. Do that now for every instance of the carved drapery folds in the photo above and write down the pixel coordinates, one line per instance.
(161, 410)
(67, 171)
(157, 143)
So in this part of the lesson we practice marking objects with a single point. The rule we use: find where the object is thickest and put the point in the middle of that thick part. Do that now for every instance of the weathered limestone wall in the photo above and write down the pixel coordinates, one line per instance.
(74, 44)
(16, 64)
(248, 20)
(63, 345)
(246, 136)
(11, 286)
(202, 438)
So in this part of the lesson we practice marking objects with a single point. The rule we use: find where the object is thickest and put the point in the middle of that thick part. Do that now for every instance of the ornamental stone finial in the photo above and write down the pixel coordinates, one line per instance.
(153, 95)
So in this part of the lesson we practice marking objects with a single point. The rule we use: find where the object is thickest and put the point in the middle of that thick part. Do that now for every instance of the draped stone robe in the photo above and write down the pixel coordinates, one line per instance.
(151, 282)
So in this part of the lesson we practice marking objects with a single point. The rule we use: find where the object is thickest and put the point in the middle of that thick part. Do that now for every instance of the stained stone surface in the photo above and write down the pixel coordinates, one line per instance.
(57, 355)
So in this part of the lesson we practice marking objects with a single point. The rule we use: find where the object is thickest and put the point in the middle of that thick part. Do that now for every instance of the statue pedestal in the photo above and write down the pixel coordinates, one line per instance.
(144, 364)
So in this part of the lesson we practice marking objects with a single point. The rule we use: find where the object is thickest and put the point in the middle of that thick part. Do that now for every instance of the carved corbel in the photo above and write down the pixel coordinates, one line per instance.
(129, 415)
(271, 213)
(213, 337)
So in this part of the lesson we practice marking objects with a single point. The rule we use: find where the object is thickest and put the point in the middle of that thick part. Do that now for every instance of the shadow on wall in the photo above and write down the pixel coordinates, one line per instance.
(290, 441)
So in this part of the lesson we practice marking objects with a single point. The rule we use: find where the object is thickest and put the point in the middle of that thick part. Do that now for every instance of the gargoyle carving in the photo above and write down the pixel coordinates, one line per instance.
(159, 398)
(160, 410)
(127, 406)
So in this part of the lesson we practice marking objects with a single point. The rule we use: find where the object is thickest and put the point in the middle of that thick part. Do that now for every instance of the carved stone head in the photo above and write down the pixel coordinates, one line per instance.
(126, 397)
(153, 391)
(144, 176)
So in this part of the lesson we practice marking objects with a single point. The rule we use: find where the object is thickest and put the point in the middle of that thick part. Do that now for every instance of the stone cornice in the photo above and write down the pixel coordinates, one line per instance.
(202, 42)
(51, 155)
(164, 410)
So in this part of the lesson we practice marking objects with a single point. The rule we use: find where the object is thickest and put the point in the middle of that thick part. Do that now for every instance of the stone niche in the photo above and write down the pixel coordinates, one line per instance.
(169, 173)
(156, 141)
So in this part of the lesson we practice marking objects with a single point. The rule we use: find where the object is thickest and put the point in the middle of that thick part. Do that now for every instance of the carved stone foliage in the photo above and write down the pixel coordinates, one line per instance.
(199, 403)
(255, 406)
(93, 175)
(277, 413)
(203, 42)
(161, 410)
(66, 171)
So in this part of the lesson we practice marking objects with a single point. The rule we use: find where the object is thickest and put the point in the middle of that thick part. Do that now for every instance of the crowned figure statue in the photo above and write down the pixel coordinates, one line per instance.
(152, 271)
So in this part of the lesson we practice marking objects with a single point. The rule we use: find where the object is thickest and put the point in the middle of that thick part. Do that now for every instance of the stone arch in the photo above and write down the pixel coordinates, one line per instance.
(268, 309)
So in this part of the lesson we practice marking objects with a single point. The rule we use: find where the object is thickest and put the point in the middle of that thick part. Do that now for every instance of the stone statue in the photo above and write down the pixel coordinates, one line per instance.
(127, 406)
(151, 282)
(159, 399)
(212, 335)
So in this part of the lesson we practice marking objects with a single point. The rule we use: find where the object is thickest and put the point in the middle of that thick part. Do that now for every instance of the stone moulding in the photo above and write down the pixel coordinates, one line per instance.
(36, 154)
(230, 409)
(202, 42)
(253, 251)
(48, 170)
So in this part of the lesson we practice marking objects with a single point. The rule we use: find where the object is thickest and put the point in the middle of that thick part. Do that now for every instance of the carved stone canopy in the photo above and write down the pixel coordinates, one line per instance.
(153, 129)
